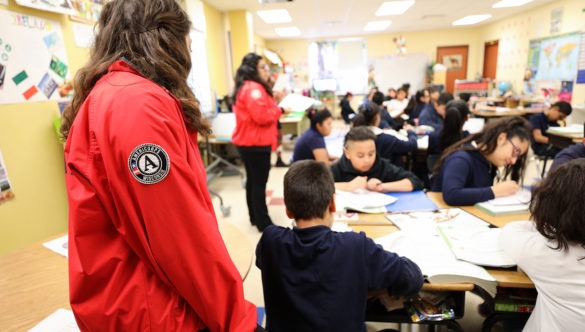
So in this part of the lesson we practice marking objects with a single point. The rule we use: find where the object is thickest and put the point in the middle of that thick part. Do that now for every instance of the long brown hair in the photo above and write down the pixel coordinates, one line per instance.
(151, 35)
(487, 141)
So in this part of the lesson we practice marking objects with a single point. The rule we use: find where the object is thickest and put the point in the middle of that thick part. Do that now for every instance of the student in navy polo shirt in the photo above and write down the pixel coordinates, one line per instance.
(315, 279)
(455, 117)
(435, 112)
(540, 124)
(465, 172)
(569, 153)
(311, 144)
(360, 167)
(387, 146)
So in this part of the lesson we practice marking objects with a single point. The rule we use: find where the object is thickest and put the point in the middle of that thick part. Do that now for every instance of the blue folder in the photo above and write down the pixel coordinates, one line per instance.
(411, 201)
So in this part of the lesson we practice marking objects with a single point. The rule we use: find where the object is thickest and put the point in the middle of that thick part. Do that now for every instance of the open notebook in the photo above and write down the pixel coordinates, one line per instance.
(363, 201)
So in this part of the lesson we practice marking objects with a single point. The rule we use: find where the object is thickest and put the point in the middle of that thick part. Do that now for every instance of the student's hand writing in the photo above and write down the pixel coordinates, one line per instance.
(374, 185)
(408, 127)
(505, 188)
(359, 182)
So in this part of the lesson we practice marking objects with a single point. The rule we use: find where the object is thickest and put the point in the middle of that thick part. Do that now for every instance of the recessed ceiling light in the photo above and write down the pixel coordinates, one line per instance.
(394, 7)
(288, 32)
(510, 3)
(274, 16)
(377, 25)
(472, 19)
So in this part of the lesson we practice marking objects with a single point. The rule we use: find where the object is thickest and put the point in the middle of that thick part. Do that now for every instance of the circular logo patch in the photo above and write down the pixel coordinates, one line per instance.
(149, 163)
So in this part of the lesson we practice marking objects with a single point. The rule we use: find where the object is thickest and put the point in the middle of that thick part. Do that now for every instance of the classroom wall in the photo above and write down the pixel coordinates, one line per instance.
(34, 158)
(216, 50)
(515, 33)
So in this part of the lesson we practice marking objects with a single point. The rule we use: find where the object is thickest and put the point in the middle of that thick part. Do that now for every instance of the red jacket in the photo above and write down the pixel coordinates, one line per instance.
(256, 117)
(145, 252)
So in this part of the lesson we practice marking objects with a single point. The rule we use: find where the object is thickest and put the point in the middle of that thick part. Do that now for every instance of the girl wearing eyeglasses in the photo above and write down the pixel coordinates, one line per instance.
(466, 171)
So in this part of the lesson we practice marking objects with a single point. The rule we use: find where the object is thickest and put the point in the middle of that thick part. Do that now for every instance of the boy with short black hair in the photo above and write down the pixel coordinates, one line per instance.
(434, 113)
(361, 167)
(542, 121)
(318, 280)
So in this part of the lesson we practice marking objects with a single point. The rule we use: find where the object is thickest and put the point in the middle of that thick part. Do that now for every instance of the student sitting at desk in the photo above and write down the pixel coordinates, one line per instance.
(456, 115)
(540, 124)
(435, 112)
(569, 153)
(465, 172)
(347, 112)
(361, 168)
(550, 249)
(388, 146)
(315, 279)
(311, 145)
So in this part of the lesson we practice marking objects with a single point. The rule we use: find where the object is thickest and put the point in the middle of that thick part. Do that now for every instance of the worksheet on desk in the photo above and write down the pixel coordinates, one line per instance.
(62, 320)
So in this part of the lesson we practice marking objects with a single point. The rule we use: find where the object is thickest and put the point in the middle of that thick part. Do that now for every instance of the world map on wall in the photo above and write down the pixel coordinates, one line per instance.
(555, 58)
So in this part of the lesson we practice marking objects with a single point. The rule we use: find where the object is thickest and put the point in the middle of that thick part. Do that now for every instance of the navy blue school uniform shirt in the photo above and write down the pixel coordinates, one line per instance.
(430, 117)
(309, 141)
(569, 153)
(435, 142)
(315, 279)
(540, 121)
(465, 178)
(382, 170)
(416, 112)
(392, 148)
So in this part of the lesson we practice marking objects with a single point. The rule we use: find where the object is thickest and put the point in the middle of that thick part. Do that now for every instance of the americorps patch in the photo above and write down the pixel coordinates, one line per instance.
(149, 163)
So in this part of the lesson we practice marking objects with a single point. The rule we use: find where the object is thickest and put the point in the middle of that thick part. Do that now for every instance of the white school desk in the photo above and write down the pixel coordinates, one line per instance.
(294, 124)
(563, 140)
(34, 280)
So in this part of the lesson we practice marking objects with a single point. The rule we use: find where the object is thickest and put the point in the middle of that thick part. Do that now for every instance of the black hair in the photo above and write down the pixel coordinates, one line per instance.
(557, 205)
(419, 94)
(378, 98)
(455, 116)
(465, 96)
(487, 142)
(366, 115)
(308, 189)
(317, 117)
(248, 71)
(359, 134)
(563, 107)
(444, 98)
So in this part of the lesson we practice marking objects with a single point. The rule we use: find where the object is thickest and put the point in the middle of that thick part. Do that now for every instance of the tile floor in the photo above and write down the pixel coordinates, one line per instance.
(231, 190)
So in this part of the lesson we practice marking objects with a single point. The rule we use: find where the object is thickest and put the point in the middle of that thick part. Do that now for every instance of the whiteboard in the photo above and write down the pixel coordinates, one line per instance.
(33, 61)
(393, 71)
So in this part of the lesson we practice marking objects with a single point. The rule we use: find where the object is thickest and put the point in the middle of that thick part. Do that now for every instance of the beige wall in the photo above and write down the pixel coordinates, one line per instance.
(216, 50)
(34, 158)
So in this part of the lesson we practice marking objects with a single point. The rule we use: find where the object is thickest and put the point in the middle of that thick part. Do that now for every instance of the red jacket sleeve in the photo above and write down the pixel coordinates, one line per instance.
(260, 105)
(171, 224)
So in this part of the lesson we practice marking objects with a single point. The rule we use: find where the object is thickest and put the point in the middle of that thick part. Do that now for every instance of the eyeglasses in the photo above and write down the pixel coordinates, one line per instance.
(265, 67)
(516, 152)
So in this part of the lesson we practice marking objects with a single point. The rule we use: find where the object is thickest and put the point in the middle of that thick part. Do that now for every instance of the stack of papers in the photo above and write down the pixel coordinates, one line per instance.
(513, 204)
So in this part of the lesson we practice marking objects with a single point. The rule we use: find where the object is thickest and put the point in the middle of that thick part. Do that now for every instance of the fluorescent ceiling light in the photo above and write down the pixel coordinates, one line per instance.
(472, 19)
(394, 7)
(510, 3)
(288, 32)
(377, 25)
(274, 16)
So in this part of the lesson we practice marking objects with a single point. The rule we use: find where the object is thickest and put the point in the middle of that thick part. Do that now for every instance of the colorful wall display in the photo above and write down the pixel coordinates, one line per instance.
(33, 61)
(56, 6)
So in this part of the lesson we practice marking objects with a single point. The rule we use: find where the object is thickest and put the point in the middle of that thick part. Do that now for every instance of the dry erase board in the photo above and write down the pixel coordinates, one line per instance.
(33, 61)
(393, 71)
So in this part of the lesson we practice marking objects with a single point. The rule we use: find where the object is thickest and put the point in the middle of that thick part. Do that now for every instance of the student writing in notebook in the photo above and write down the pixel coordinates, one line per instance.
(551, 249)
(316, 279)
(466, 171)
(360, 167)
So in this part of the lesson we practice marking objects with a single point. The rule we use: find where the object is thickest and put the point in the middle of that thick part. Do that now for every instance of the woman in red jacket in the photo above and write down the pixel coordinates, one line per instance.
(256, 132)
(145, 252)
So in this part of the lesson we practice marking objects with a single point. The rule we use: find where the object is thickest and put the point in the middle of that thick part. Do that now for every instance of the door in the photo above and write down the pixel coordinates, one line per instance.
(490, 59)
(455, 59)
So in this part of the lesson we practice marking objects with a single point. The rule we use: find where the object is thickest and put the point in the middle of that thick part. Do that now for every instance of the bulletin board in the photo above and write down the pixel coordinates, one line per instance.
(33, 61)
(393, 71)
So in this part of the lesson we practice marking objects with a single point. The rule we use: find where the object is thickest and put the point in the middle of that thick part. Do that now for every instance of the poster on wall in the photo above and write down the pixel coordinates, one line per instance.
(56, 6)
(6, 193)
(554, 58)
(87, 11)
(33, 61)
